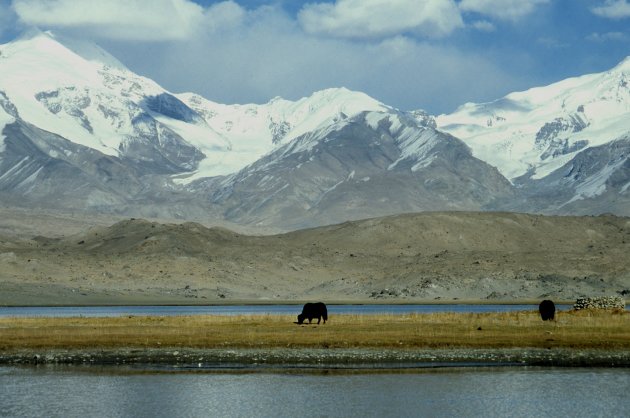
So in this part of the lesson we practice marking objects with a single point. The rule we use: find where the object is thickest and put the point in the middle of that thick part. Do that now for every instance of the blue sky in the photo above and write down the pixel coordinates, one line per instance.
(431, 54)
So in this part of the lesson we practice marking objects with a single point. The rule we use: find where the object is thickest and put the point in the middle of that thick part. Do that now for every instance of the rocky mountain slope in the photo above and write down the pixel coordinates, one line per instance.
(564, 145)
(371, 164)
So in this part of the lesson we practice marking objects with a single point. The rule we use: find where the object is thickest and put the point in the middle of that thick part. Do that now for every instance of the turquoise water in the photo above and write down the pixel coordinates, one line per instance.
(496, 392)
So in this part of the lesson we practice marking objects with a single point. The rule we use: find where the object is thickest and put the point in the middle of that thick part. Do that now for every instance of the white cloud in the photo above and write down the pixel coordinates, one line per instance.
(552, 43)
(483, 26)
(237, 55)
(501, 9)
(608, 36)
(274, 57)
(118, 19)
(381, 18)
(224, 15)
(613, 9)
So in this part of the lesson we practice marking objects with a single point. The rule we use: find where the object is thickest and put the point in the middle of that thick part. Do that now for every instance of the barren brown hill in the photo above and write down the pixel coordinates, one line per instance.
(415, 257)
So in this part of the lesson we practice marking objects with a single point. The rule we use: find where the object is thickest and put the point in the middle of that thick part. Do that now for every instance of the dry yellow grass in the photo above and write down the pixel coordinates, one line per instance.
(602, 329)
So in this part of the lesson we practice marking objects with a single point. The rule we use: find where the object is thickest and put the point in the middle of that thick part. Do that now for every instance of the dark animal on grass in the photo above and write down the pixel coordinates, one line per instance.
(547, 310)
(311, 311)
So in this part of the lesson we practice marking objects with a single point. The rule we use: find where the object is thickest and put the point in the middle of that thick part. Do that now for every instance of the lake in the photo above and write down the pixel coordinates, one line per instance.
(55, 391)
(108, 311)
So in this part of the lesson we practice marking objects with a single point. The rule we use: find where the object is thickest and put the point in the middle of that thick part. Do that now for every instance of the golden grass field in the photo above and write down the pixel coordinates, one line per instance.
(581, 329)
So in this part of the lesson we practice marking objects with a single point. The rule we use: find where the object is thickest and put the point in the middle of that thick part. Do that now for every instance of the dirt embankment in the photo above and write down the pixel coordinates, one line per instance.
(416, 257)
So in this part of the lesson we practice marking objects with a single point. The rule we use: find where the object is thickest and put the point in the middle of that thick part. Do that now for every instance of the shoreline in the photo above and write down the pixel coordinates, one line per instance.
(575, 338)
(258, 302)
(318, 358)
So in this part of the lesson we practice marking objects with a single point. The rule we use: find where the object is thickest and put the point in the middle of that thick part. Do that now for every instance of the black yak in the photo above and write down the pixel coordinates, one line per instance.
(313, 310)
(547, 310)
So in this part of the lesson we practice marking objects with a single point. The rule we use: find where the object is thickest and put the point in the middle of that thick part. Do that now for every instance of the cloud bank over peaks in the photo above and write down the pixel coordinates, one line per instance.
(374, 19)
(183, 20)
(134, 20)
(381, 18)
(507, 10)
(402, 52)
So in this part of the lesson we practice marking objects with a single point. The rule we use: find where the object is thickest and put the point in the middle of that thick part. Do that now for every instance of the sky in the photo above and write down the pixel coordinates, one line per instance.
(411, 54)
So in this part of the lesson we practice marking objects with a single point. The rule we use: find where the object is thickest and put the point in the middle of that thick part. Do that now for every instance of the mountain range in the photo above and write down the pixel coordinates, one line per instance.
(79, 131)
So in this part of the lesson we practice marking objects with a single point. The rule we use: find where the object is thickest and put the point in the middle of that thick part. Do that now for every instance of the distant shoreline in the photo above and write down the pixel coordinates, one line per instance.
(575, 338)
(258, 302)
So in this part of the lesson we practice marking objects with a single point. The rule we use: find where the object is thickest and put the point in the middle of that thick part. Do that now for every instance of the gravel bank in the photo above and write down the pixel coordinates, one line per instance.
(322, 358)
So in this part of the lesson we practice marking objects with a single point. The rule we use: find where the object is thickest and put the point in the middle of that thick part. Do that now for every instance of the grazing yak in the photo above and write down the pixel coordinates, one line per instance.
(547, 310)
(313, 310)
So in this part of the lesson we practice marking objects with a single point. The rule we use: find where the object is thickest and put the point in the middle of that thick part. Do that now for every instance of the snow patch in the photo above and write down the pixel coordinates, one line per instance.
(545, 170)
(15, 169)
(423, 164)
(348, 178)
(596, 184)
(30, 179)
(417, 146)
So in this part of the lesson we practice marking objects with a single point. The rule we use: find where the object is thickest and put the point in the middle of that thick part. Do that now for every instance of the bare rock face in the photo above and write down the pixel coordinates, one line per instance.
(46, 171)
(370, 165)
(595, 181)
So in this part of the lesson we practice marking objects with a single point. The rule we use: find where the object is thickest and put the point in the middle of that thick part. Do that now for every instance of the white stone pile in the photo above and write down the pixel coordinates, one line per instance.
(603, 302)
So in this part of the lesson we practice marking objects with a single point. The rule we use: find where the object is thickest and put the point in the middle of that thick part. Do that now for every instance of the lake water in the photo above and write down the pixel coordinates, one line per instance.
(108, 311)
(495, 392)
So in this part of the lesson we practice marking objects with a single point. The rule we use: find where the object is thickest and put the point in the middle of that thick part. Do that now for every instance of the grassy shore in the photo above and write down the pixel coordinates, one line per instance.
(608, 330)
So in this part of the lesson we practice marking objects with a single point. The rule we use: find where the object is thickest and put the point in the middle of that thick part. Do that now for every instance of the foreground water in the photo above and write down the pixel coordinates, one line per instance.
(109, 311)
(499, 392)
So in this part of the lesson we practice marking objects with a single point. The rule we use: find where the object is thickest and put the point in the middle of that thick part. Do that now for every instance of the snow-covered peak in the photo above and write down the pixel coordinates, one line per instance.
(50, 43)
(87, 101)
(80, 92)
(253, 130)
(623, 66)
(281, 120)
(42, 60)
(91, 52)
(343, 100)
(323, 107)
(538, 130)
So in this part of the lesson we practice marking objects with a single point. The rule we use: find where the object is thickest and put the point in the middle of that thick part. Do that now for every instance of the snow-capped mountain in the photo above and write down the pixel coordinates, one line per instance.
(542, 138)
(536, 131)
(252, 130)
(79, 130)
(371, 164)
(103, 108)
(65, 103)
(98, 103)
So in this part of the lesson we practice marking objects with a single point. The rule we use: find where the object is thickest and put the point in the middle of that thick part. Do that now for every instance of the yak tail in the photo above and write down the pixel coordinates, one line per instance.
(325, 314)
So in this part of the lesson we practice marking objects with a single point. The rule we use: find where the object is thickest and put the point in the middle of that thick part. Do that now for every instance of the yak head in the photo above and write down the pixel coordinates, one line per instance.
(300, 319)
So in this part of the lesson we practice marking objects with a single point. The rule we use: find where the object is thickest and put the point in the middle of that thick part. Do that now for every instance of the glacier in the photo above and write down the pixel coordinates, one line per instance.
(536, 131)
